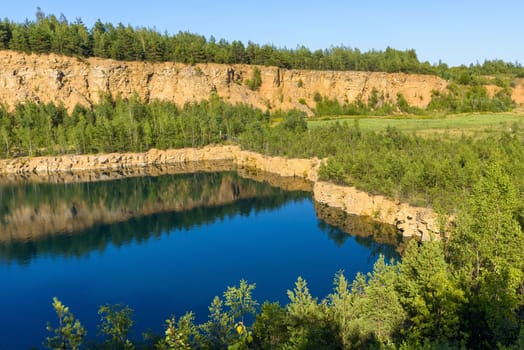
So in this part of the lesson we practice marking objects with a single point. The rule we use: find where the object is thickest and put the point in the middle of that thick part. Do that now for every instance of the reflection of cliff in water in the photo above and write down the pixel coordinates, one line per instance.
(73, 219)
(339, 226)
(29, 211)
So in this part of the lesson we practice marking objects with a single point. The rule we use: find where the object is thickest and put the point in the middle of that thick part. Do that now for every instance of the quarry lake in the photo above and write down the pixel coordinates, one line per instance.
(164, 245)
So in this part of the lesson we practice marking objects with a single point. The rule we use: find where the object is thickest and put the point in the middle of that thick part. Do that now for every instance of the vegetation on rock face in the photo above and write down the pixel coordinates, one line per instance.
(256, 81)
(458, 99)
(48, 34)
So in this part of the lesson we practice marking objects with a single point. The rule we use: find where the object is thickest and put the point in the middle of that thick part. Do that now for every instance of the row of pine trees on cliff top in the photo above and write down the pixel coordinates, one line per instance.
(51, 34)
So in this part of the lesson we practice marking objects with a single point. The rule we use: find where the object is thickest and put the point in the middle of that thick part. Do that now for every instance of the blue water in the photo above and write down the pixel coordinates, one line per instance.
(174, 268)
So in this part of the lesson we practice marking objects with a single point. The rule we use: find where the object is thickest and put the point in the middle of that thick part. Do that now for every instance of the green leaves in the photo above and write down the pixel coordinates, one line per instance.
(429, 293)
(116, 321)
(256, 80)
(240, 300)
(177, 335)
(486, 249)
(222, 329)
(69, 333)
(302, 306)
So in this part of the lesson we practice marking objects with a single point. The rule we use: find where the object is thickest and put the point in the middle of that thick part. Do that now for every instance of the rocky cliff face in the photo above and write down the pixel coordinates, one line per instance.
(53, 78)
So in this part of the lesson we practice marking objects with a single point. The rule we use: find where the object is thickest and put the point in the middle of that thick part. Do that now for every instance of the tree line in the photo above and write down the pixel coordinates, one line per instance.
(120, 125)
(51, 34)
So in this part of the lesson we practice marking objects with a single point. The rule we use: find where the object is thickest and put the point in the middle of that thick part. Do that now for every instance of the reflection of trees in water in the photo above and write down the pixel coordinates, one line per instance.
(126, 192)
(43, 209)
(148, 207)
(377, 237)
(217, 195)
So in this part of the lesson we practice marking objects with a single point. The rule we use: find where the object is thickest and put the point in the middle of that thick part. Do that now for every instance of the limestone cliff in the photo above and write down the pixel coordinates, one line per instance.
(54, 78)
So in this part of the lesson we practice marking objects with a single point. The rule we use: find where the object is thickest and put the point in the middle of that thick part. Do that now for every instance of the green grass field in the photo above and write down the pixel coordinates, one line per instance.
(476, 123)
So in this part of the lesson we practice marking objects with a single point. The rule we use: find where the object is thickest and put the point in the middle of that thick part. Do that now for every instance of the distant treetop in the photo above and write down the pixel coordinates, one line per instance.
(49, 34)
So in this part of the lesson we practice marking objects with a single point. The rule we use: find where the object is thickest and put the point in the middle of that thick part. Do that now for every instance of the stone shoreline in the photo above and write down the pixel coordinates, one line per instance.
(418, 222)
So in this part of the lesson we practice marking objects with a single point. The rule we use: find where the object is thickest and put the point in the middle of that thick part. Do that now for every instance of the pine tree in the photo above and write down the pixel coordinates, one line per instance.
(486, 248)
(69, 333)
(429, 293)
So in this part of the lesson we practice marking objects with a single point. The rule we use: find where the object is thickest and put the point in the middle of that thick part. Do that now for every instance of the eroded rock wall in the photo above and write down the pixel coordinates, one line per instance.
(54, 78)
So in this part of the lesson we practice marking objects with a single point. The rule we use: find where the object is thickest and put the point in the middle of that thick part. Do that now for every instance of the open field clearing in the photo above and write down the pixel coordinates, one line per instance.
(471, 123)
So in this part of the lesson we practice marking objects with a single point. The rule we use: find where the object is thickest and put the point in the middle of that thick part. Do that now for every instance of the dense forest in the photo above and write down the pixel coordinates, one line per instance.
(116, 124)
(49, 34)
(464, 292)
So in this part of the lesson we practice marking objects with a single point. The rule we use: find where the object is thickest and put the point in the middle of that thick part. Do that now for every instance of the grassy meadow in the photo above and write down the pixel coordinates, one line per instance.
(458, 124)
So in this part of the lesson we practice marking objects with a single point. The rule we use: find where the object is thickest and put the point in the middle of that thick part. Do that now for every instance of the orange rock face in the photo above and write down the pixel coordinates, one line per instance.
(54, 78)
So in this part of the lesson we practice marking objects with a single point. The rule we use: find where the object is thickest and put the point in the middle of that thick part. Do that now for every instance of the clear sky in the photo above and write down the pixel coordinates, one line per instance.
(454, 31)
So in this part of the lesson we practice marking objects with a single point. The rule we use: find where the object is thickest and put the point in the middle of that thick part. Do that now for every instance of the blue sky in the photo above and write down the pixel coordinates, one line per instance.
(455, 31)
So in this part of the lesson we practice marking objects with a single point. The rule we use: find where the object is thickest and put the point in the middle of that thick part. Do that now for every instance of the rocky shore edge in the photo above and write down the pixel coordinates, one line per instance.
(421, 223)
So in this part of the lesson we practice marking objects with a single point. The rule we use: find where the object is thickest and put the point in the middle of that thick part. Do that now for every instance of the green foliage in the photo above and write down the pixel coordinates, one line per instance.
(436, 171)
(115, 324)
(422, 302)
(294, 121)
(181, 335)
(227, 328)
(308, 322)
(256, 80)
(377, 104)
(430, 294)
(404, 107)
(368, 312)
(379, 310)
(486, 249)
(219, 330)
(465, 99)
(69, 333)
(120, 125)
(240, 300)
(270, 328)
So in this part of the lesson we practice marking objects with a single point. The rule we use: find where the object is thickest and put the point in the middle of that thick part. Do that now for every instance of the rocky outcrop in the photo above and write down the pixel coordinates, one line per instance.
(52, 78)
(361, 226)
(411, 221)
(517, 93)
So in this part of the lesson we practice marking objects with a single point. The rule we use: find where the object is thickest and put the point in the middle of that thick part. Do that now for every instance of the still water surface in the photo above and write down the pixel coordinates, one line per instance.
(162, 245)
